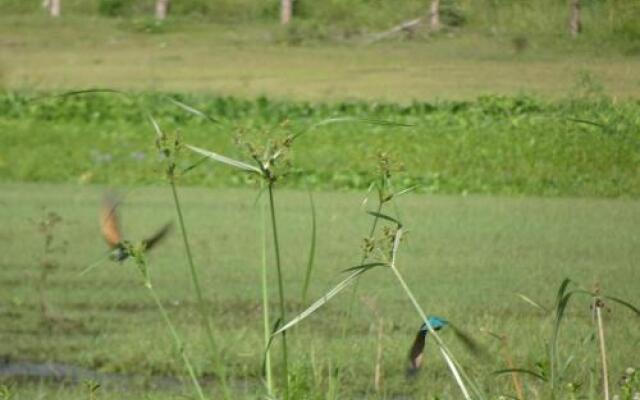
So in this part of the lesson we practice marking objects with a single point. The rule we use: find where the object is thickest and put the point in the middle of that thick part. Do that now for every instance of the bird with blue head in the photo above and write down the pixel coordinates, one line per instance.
(436, 324)
(417, 349)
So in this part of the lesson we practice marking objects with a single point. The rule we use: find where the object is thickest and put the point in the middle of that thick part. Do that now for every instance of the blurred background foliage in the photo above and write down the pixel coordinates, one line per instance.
(600, 17)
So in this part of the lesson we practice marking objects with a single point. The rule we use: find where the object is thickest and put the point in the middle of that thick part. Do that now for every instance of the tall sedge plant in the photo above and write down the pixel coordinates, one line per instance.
(265, 163)
(169, 148)
(265, 170)
(387, 257)
(384, 195)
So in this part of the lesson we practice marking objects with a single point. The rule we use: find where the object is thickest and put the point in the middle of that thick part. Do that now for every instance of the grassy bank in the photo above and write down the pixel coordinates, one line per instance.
(250, 59)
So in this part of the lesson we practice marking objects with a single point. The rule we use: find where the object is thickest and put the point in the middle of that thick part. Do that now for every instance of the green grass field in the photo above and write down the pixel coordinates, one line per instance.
(465, 257)
(526, 159)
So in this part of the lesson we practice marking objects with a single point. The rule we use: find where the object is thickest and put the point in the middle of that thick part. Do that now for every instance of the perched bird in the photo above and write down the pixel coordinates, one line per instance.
(415, 353)
(111, 231)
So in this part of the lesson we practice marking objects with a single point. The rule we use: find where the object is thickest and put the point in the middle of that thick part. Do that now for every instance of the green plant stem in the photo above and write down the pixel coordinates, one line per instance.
(206, 321)
(354, 291)
(312, 249)
(283, 318)
(178, 342)
(265, 298)
(603, 353)
(142, 265)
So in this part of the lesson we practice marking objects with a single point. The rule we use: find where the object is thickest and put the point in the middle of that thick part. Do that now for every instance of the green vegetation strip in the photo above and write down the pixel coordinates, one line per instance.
(583, 146)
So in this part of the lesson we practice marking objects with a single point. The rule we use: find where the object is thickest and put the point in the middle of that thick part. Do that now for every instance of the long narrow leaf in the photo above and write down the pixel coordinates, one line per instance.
(194, 165)
(533, 302)
(365, 266)
(324, 299)
(156, 126)
(405, 191)
(624, 303)
(88, 91)
(386, 217)
(95, 264)
(520, 371)
(337, 120)
(585, 121)
(225, 160)
(562, 299)
(193, 110)
(561, 290)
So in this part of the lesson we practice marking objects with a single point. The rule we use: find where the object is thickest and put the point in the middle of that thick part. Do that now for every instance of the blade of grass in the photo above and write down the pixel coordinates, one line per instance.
(95, 264)
(193, 110)
(356, 271)
(533, 303)
(194, 165)
(338, 120)
(587, 122)
(562, 300)
(624, 303)
(312, 251)
(520, 371)
(225, 160)
(385, 217)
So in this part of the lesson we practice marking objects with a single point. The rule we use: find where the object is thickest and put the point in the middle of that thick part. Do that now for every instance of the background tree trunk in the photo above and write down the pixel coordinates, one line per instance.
(575, 26)
(161, 9)
(434, 15)
(54, 7)
(286, 10)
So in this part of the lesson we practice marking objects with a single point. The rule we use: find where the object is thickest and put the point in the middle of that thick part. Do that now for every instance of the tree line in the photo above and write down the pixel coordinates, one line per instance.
(287, 12)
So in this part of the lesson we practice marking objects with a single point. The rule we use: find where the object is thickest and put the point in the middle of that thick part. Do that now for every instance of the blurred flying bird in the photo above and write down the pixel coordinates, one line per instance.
(436, 323)
(111, 230)
(415, 353)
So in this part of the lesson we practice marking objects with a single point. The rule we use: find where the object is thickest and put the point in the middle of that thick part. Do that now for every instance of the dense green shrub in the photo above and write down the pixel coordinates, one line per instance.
(112, 8)
(582, 146)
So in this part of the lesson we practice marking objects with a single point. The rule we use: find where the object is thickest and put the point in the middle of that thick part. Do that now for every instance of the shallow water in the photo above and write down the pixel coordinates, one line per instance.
(72, 374)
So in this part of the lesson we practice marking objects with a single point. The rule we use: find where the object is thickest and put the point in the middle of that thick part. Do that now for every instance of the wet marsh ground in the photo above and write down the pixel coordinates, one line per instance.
(465, 258)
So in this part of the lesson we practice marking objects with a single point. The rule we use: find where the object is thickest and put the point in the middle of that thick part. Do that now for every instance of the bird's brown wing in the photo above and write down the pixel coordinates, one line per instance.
(109, 221)
(149, 243)
(415, 353)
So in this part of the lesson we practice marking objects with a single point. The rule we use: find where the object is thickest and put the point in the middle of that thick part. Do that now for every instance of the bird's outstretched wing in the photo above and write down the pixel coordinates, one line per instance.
(417, 349)
(109, 220)
(415, 353)
(150, 242)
